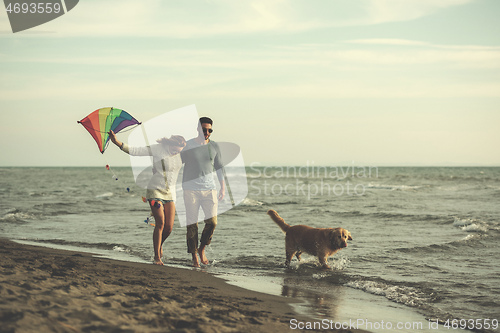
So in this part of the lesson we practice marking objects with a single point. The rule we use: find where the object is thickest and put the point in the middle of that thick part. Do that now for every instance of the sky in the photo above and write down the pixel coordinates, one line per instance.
(292, 82)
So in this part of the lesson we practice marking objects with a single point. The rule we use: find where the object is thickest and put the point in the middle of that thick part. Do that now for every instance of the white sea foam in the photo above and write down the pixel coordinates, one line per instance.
(336, 265)
(468, 238)
(458, 222)
(393, 187)
(470, 225)
(119, 249)
(104, 195)
(405, 295)
(340, 263)
(319, 276)
(14, 217)
(251, 202)
(475, 227)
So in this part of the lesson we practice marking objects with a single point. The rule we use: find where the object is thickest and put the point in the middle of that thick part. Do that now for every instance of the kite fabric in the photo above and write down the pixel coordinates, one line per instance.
(101, 121)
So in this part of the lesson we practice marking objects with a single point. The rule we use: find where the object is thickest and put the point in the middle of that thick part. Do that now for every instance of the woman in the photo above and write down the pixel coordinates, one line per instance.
(161, 184)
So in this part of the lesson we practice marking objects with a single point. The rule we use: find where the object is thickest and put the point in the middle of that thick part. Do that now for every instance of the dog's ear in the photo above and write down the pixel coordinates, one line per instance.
(335, 237)
(333, 233)
(349, 235)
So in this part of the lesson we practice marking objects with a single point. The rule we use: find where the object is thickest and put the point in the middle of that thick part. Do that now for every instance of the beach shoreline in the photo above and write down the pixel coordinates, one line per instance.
(50, 290)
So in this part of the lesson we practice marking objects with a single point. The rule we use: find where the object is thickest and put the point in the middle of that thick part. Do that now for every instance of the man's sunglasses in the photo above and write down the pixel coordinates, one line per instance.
(209, 130)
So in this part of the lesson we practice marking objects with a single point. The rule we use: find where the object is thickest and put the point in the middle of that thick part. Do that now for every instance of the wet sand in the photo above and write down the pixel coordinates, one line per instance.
(48, 290)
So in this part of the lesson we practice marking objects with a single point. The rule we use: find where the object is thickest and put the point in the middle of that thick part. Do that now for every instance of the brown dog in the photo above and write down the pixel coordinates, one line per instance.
(320, 242)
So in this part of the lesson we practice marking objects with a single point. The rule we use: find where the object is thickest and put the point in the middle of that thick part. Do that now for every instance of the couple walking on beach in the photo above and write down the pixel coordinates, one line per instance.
(202, 160)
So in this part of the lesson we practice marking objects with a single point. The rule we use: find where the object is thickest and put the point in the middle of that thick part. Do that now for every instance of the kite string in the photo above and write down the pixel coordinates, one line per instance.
(115, 177)
(110, 170)
(150, 218)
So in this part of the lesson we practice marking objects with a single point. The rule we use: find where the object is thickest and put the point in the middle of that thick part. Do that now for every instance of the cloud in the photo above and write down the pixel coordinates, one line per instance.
(358, 52)
(383, 11)
(401, 51)
(388, 41)
(175, 19)
(354, 69)
(203, 18)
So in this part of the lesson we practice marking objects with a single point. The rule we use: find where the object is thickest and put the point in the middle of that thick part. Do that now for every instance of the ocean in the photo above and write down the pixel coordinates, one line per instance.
(425, 245)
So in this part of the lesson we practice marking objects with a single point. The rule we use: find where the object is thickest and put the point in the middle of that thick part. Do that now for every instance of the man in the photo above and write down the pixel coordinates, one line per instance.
(202, 161)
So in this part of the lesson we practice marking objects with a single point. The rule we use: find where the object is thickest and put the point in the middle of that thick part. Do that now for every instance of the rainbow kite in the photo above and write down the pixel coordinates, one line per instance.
(101, 121)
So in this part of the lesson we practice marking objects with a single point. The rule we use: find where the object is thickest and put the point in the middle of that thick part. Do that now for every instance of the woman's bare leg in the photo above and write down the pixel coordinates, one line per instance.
(169, 215)
(158, 213)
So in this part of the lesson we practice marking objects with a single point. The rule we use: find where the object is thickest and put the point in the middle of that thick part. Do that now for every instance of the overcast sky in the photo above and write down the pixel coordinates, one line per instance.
(329, 82)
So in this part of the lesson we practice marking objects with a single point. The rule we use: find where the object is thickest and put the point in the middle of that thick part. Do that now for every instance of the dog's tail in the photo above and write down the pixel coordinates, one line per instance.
(278, 220)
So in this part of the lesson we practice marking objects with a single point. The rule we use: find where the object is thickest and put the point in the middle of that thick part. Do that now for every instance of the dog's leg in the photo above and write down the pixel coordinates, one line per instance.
(322, 261)
(290, 250)
(289, 256)
(298, 255)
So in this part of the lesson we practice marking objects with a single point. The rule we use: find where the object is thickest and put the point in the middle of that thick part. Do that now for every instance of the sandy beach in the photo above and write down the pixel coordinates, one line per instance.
(48, 290)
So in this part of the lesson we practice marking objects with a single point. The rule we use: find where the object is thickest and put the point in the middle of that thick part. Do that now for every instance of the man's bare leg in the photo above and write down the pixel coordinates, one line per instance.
(196, 263)
(203, 257)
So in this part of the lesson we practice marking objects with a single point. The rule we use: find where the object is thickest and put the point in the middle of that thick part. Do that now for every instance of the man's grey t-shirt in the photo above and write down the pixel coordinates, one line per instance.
(200, 163)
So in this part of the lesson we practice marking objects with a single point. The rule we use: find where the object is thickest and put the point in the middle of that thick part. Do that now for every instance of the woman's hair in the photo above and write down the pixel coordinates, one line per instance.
(174, 140)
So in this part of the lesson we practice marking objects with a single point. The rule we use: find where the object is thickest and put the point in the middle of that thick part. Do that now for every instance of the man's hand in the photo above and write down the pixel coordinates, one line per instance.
(221, 193)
